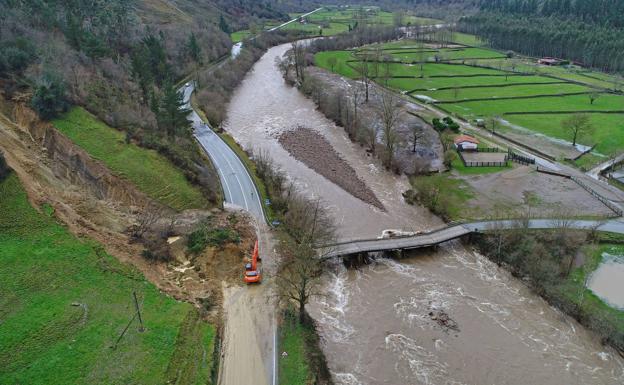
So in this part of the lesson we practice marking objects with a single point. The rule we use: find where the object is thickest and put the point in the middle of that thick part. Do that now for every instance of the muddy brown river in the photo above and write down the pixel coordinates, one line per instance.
(375, 321)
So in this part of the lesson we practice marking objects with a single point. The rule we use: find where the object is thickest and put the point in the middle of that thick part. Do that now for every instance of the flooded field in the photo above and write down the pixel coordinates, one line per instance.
(375, 322)
(607, 282)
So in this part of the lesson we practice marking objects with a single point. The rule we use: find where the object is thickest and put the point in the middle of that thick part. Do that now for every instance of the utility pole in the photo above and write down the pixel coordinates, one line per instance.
(138, 312)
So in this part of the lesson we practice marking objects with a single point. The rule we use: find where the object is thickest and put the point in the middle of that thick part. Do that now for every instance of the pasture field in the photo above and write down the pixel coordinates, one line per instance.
(479, 83)
(149, 171)
(335, 20)
(64, 302)
(239, 36)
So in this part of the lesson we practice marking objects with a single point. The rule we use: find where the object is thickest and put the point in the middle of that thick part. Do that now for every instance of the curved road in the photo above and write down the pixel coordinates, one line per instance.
(238, 187)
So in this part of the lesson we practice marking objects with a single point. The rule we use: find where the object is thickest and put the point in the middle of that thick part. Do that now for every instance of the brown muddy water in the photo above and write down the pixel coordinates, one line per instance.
(375, 321)
(607, 281)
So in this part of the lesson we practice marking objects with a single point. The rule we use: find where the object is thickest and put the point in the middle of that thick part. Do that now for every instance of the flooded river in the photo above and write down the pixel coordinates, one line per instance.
(375, 321)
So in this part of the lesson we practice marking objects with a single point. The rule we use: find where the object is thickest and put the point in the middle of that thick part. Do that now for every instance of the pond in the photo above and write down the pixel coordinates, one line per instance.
(607, 282)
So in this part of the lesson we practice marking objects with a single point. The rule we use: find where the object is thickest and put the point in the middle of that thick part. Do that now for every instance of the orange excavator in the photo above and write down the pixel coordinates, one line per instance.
(252, 273)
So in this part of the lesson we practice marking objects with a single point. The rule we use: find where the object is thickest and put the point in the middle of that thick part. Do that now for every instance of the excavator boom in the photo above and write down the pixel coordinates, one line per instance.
(252, 273)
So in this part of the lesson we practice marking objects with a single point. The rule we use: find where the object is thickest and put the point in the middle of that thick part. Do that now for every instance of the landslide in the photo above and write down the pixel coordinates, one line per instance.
(97, 204)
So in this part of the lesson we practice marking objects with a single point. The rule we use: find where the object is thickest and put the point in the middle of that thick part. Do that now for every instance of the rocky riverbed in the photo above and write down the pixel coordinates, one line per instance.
(311, 148)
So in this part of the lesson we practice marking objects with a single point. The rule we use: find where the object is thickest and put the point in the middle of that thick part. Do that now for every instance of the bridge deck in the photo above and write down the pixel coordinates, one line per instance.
(405, 243)
(614, 225)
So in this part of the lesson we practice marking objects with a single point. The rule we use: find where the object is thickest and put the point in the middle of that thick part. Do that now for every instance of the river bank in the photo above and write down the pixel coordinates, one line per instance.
(375, 323)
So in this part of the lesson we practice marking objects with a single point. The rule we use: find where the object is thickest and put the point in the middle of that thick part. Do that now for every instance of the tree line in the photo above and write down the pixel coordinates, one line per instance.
(588, 32)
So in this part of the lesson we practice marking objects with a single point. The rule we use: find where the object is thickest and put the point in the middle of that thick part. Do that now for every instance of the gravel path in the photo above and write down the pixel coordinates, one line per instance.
(312, 149)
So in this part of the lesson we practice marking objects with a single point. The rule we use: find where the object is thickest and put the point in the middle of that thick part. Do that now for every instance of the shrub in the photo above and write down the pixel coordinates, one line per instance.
(445, 123)
(16, 55)
(205, 236)
(49, 99)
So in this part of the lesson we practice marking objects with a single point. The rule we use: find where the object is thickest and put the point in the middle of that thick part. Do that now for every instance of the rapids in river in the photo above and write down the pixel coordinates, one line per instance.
(380, 324)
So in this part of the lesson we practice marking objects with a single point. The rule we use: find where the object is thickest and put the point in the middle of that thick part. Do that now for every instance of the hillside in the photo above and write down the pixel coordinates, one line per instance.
(88, 297)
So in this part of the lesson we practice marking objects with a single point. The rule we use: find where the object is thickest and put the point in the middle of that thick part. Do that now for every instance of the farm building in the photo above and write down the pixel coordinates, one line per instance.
(551, 61)
(466, 143)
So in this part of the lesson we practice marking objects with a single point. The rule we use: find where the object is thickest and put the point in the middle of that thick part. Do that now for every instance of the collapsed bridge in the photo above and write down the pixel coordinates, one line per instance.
(454, 231)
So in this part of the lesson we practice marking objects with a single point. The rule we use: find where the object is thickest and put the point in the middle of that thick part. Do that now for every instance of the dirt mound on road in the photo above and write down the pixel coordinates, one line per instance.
(311, 148)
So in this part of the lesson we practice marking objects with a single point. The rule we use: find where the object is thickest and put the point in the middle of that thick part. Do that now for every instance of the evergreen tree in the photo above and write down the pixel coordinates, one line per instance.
(224, 25)
(173, 116)
(194, 49)
(49, 99)
(141, 72)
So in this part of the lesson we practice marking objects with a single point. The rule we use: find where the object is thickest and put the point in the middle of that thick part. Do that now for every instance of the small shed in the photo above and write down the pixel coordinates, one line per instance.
(552, 61)
(466, 143)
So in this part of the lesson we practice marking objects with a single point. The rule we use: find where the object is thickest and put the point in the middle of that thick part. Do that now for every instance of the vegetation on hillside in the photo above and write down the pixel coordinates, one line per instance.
(65, 302)
(148, 170)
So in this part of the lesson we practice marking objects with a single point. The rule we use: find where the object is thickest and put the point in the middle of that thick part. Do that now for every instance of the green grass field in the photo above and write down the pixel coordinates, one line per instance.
(458, 94)
(293, 368)
(333, 20)
(239, 36)
(64, 302)
(151, 172)
(528, 88)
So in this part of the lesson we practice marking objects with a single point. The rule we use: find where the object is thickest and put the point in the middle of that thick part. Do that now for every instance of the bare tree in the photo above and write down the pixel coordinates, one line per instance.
(299, 277)
(310, 226)
(356, 96)
(363, 70)
(387, 60)
(418, 133)
(530, 199)
(593, 97)
(298, 52)
(577, 124)
(399, 19)
(149, 215)
(377, 54)
(389, 113)
(456, 91)
(446, 139)
(492, 123)
(332, 61)
(421, 57)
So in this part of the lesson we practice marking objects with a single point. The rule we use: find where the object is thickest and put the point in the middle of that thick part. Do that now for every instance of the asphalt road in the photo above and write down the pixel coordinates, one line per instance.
(238, 187)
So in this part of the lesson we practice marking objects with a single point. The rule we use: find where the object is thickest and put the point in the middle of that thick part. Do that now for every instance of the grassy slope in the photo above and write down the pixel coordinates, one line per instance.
(46, 340)
(453, 193)
(149, 171)
(293, 368)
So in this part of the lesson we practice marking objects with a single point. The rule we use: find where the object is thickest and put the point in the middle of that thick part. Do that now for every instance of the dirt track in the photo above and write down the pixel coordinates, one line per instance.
(311, 148)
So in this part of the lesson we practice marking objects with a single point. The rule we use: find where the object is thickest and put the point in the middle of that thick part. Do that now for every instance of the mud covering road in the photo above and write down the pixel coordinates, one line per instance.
(248, 351)
(311, 148)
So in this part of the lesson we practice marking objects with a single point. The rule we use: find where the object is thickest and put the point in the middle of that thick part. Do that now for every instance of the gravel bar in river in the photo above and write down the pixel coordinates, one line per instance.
(312, 149)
